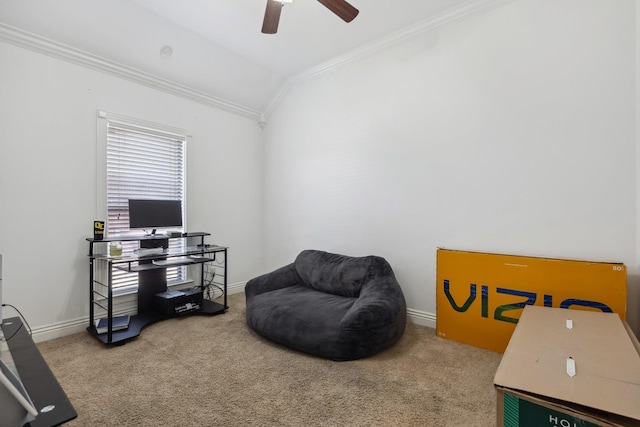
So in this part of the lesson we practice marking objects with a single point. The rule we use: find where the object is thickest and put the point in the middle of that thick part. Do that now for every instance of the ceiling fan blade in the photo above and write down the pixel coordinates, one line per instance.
(271, 17)
(341, 8)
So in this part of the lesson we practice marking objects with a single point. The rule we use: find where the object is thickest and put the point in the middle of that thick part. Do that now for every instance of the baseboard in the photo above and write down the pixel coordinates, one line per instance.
(236, 288)
(70, 327)
(414, 316)
(421, 318)
(58, 330)
(418, 317)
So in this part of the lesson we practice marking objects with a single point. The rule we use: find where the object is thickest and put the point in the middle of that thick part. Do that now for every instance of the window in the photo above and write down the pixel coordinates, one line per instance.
(138, 160)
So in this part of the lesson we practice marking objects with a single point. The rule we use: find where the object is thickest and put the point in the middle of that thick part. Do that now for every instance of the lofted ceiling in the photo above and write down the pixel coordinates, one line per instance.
(217, 47)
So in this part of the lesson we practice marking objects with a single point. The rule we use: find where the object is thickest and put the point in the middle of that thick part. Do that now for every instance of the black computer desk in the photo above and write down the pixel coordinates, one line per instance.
(37, 378)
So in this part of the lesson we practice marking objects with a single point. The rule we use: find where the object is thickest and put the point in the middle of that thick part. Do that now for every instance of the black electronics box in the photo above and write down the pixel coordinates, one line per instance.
(178, 302)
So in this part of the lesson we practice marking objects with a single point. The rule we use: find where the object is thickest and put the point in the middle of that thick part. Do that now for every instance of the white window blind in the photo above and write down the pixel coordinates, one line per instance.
(142, 162)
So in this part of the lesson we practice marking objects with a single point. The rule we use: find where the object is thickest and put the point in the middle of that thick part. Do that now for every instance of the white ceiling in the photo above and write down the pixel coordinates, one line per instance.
(218, 48)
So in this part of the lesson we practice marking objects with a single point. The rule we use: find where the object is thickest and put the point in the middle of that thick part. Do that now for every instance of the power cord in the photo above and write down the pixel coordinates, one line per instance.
(209, 290)
(24, 322)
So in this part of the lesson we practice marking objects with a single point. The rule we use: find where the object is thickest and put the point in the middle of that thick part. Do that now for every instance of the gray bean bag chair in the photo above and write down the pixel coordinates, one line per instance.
(333, 306)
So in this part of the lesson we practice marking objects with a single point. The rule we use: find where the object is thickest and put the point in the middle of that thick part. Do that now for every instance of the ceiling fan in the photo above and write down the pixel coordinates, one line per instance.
(274, 7)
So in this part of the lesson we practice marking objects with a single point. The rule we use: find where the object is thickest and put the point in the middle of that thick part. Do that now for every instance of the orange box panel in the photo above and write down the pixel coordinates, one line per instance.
(479, 296)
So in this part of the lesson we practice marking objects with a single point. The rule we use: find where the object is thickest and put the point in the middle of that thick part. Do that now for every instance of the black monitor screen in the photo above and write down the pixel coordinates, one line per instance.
(155, 213)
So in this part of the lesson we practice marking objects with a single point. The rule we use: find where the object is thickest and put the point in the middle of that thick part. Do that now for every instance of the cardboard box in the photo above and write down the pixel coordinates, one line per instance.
(480, 296)
(534, 385)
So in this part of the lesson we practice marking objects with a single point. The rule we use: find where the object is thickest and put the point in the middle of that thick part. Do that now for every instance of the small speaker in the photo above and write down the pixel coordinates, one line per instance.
(98, 230)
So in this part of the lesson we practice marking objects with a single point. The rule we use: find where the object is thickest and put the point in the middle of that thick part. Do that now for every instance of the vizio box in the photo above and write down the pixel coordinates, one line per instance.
(569, 368)
(479, 296)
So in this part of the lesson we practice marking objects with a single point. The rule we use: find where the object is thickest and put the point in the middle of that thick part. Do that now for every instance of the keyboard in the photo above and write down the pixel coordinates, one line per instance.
(173, 261)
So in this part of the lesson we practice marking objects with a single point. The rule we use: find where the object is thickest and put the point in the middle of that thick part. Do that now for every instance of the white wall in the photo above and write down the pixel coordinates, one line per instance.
(48, 179)
(511, 132)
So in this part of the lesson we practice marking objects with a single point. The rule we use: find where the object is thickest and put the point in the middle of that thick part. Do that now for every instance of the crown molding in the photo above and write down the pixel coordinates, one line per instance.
(35, 43)
(471, 8)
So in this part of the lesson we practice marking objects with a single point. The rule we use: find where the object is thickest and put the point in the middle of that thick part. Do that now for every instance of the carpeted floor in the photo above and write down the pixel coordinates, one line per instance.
(210, 371)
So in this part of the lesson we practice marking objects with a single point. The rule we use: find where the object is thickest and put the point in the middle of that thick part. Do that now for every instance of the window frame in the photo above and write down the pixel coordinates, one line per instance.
(104, 118)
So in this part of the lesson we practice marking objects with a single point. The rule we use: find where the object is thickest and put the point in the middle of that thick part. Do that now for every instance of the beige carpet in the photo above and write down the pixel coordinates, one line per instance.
(210, 371)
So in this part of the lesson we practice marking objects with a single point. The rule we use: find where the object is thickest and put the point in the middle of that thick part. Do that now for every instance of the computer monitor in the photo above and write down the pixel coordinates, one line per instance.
(152, 214)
